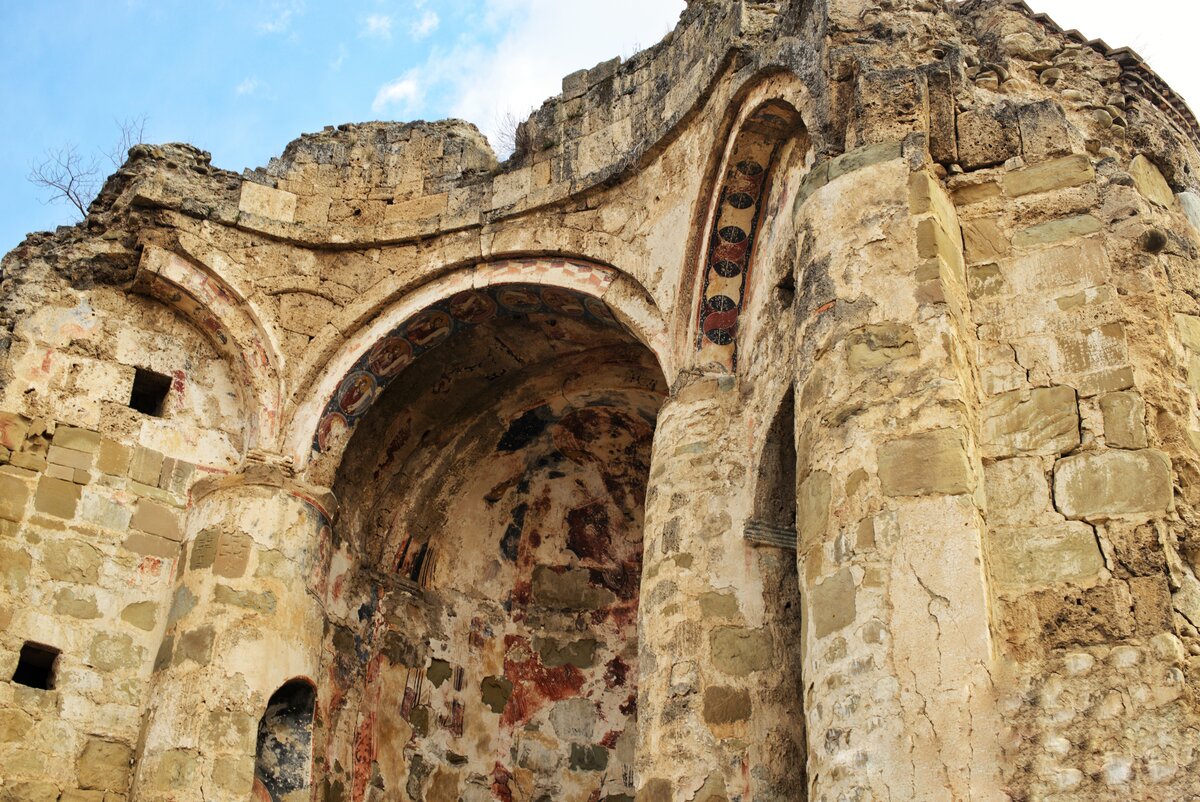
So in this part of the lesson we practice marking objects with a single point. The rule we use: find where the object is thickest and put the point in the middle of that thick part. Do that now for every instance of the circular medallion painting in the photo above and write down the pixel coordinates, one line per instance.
(356, 393)
(429, 328)
(389, 356)
(331, 427)
(472, 307)
(564, 301)
(519, 299)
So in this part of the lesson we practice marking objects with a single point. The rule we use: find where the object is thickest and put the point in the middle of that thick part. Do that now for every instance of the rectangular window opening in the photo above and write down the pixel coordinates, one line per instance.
(35, 666)
(150, 392)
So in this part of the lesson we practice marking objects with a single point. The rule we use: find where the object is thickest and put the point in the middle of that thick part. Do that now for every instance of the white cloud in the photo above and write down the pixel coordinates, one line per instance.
(247, 87)
(377, 26)
(339, 58)
(401, 94)
(427, 24)
(539, 43)
(281, 14)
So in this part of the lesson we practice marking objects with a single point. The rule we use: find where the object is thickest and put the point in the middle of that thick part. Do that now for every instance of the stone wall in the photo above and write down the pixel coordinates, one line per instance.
(809, 399)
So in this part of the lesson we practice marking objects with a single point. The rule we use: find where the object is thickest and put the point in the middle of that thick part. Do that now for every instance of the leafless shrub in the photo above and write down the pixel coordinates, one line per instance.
(66, 175)
(512, 136)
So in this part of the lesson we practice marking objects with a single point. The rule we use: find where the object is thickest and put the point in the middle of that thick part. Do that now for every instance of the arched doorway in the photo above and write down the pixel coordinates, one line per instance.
(487, 562)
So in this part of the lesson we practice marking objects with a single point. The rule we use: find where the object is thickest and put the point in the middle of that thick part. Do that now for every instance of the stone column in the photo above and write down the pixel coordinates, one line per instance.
(898, 653)
(243, 622)
(696, 652)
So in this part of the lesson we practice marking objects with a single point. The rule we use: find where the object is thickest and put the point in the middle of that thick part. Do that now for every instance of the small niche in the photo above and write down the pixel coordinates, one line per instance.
(150, 390)
(35, 666)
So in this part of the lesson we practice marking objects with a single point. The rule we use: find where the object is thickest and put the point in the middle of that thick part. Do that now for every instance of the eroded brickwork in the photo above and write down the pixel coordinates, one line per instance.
(807, 410)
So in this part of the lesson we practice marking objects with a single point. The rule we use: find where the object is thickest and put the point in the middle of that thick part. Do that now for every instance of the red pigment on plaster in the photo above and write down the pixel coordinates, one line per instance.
(364, 755)
(534, 685)
(500, 779)
(609, 741)
(616, 673)
(178, 381)
(629, 708)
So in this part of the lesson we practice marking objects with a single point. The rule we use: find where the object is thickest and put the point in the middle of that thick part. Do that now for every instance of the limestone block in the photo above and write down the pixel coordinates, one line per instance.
(145, 466)
(1150, 182)
(14, 569)
(72, 561)
(77, 439)
(76, 604)
(14, 725)
(1025, 423)
(984, 240)
(1018, 491)
(1057, 231)
(1104, 484)
(724, 705)
(13, 429)
(1190, 202)
(1044, 130)
(157, 519)
(812, 509)
(1124, 420)
(274, 204)
(987, 137)
(1034, 556)
(57, 497)
(875, 346)
(115, 653)
(833, 603)
(1071, 171)
(104, 765)
(926, 464)
(14, 495)
(143, 615)
(739, 652)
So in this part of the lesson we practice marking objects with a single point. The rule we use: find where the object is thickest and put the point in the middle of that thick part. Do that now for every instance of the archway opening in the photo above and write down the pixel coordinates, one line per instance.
(283, 758)
(780, 741)
(488, 559)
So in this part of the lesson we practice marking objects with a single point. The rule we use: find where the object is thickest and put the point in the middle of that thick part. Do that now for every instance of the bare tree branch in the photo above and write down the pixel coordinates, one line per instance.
(67, 176)
(132, 132)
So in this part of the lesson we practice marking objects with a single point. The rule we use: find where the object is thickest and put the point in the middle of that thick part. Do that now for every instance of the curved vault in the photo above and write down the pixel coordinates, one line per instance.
(492, 503)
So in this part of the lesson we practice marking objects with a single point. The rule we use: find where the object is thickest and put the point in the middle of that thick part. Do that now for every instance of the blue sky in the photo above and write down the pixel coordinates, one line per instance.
(242, 78)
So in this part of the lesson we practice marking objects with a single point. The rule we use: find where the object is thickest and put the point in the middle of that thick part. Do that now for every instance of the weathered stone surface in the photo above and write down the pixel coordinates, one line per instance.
(1058, 174)
(925, 464)
(14, 496)
(1033, 556)
(1150, 182)
(834, 603)
(72, 561)
(56, 497)
(812, 508)
(143, 615)
(156, 519)
(1042, 421)
(1124, 420)
(1105, 484)
(988, 136)
(740, 652)
(876, 346)
(105, 765)
(1018, 491)
(724, 705)
(1057, 230)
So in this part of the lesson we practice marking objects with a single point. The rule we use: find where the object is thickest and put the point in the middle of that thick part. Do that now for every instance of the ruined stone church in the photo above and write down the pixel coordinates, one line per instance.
(806, 410)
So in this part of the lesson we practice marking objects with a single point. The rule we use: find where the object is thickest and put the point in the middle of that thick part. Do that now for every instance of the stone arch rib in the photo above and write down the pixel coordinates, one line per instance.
(738, 207)
(422, 319)
(207, 300)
